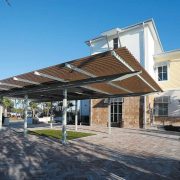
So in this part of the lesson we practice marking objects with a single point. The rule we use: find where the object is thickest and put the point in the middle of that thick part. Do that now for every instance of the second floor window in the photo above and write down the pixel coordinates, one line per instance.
(115, 43)
(162, 73)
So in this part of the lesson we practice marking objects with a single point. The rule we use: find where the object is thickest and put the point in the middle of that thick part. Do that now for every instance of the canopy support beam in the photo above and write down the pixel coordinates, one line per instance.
(1, 112)
(25, 114)
(64, 123)
(76, 115)
(74, 68)
(25, 81)
(51, 116)
(49, 76)
(10, 85)
(113, 53)
(109, 116)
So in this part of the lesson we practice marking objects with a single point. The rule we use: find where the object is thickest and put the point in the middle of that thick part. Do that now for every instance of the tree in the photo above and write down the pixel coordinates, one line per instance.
(47, 107)
(7, 103)
(33, 107)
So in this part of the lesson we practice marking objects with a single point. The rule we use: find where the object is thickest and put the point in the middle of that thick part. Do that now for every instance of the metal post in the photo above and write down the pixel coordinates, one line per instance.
(1, 111)
(64, 117)
(144, 113)
(25, 114)
(51, 117)
(76, 115)
(109, 116)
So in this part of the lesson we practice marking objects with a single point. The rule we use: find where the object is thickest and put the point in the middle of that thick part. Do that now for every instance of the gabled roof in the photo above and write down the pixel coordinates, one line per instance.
(149, 22)
(109, 74)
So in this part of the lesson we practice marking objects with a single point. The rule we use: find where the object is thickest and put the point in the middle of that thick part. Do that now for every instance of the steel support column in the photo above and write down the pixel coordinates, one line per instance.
(1, 112)
(51, 117)
(64, 123)
(76, 116)
(25, 114)
(109, 117)
(144, 113)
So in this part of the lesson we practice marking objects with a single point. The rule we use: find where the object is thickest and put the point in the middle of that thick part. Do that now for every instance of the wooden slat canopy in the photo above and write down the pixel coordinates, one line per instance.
(110, 74)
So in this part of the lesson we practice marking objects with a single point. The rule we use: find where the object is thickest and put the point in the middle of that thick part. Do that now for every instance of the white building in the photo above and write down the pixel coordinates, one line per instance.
(143, 41)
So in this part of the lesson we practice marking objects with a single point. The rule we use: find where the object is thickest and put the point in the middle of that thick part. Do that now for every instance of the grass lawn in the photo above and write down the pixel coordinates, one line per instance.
(58, 134)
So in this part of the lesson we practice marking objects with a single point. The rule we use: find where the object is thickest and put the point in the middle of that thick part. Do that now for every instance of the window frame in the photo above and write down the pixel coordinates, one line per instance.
(161, 101)
(158, 65)
(115, 43)
(117, 113)
(162, 72)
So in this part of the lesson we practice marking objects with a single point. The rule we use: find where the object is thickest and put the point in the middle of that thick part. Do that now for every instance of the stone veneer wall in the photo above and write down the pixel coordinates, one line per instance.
(130, 109)
(99, 112)
(131, 112)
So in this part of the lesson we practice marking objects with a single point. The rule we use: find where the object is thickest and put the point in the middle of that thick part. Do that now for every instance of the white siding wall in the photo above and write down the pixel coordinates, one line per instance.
(149, 52)
(132, 39)
(99, 46)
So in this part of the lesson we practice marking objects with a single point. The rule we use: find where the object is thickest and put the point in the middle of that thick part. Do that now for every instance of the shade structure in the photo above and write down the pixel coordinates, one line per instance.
(114, 73)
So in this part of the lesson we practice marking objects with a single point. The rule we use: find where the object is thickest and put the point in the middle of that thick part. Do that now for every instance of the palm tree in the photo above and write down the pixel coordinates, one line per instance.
(33, 107)
(7, 103)
(47, 106)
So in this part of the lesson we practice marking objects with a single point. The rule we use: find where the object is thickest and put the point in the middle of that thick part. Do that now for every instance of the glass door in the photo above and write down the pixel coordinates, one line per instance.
(116, 114)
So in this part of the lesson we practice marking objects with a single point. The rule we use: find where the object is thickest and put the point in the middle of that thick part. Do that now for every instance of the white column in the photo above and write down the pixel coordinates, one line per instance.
(51, 117)
(109, 117)
(25, 114)
(76, 115)
(64, 117)
(1, 111)
(144, 113)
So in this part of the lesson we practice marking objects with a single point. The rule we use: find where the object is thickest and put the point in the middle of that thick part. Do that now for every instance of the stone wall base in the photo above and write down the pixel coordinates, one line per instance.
(175, 121)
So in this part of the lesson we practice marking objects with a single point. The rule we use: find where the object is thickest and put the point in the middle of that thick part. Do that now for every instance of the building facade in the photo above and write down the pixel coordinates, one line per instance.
(144, 43)
(167, 104)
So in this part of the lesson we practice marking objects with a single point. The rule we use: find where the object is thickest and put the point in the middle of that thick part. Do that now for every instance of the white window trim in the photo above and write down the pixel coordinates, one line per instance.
(168, 71)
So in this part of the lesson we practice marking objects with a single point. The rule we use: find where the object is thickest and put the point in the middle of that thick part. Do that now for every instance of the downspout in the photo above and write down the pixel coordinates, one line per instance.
(144, 107)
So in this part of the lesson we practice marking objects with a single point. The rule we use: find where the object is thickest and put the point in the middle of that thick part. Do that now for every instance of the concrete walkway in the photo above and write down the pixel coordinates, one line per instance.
(126, 154)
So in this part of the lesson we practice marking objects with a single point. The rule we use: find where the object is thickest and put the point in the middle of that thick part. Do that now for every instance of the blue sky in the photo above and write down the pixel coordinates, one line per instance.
(38, 33)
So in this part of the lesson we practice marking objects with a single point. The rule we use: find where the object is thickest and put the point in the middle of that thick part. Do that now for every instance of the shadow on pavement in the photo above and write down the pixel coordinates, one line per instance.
(43, 158)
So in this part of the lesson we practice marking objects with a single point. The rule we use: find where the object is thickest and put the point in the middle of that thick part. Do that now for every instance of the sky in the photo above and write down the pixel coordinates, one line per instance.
(38, 33)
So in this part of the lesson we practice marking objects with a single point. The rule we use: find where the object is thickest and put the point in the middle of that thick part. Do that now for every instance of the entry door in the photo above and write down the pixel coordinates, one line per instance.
(116, 114)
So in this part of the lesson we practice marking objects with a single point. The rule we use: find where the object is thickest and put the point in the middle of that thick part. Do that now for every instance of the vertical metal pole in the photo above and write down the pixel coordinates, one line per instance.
(144, 114)
(109, 116)
(76, 115)
(64, 117)
(25, 114)
(51, 117)
(1, 111)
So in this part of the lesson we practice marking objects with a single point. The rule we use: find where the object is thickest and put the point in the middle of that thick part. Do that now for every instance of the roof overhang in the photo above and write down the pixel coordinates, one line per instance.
(110, 74)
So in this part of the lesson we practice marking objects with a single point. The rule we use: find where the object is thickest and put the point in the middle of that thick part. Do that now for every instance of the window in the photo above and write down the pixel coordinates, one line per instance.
(162, 73)
(161, 106)
(115, 43)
